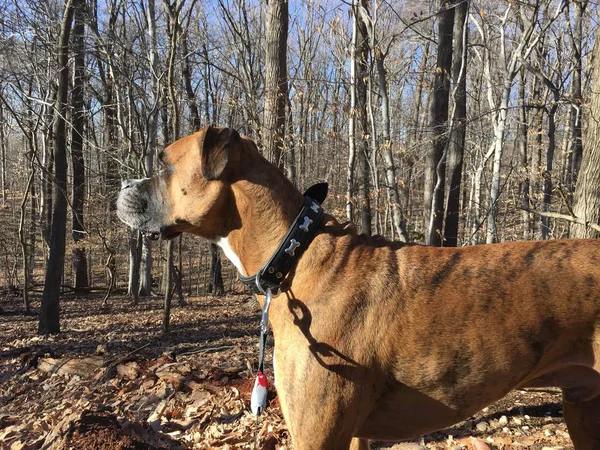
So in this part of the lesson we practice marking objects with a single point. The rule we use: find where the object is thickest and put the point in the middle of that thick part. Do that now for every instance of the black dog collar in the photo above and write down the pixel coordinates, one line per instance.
(296, 241)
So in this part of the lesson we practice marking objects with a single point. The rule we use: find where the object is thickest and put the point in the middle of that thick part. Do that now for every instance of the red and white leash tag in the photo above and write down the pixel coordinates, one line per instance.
(258, 400)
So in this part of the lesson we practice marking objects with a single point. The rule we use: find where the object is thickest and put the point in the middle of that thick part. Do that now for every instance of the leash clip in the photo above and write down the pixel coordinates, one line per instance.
(264, 320)
(261, 289)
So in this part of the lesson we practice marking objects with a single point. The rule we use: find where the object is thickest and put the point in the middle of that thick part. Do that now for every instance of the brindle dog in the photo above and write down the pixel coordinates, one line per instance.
(378, 339)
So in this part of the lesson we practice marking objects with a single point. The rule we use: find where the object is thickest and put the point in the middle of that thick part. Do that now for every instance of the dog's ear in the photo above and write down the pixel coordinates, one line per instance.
(214, 149)
(317, 192)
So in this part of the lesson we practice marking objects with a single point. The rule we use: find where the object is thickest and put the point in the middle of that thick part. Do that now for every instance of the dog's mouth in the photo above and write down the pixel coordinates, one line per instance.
(166, 234)
(152, 235)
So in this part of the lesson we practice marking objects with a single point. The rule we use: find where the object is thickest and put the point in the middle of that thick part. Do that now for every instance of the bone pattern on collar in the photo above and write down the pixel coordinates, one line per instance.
(299, 236)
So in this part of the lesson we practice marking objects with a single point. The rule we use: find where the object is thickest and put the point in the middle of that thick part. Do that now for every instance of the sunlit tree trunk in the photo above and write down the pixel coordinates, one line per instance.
(524, 171)
(276, 90)
(586, 202)
(362, 145)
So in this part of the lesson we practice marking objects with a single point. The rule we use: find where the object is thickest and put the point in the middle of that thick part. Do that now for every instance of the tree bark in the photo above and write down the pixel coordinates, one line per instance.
(435, 172)
(586, 202)
(351, 167)
(2, 154)
(25, 253)
(378, 56)
(575, 113)
(459, 124)
(362, 149)
(276, 87)
(521, 144)
(135, 254)
(79, 259)
(49, 319)
(173, 11)
(145, 284)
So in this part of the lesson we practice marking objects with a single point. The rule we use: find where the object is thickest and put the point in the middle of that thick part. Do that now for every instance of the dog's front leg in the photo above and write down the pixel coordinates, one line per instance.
(359, 444)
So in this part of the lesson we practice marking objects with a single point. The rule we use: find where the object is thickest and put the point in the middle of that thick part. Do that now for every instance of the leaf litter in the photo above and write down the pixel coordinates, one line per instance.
(112, 380)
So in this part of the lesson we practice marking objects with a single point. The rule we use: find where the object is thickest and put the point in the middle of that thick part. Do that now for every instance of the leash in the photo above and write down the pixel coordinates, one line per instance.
(258, 400)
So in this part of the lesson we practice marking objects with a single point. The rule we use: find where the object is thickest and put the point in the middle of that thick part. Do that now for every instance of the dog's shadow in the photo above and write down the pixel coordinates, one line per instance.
(324, 353)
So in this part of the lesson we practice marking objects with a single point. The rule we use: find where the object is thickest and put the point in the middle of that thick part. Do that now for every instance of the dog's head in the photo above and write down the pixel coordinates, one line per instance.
(188, 191)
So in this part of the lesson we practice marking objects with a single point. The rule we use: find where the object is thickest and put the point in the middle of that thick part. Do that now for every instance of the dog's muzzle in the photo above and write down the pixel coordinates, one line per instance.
(139, 207)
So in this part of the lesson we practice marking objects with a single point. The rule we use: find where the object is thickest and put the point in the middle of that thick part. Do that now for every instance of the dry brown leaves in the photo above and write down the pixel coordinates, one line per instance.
(112, 380)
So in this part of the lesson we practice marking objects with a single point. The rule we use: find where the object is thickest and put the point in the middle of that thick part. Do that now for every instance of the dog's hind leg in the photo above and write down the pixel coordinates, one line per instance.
(583, 422)
(359, 444)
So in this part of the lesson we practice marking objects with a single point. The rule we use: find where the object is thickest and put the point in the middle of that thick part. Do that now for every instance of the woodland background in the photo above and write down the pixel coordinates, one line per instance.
(451, 123)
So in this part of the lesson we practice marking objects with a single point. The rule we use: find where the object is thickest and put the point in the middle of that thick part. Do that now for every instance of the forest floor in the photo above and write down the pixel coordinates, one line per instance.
(112, 380)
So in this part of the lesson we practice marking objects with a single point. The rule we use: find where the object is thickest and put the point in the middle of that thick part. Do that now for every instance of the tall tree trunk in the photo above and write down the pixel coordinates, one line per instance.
(49, 321)
(47, 183)
(362, 149)
(549, 163)
(135, 254)
(521, 144)
(547, 174)
(586, 201)
(276, 87)
(378, 56)
(173, 32)
(79, 258)
(2, 155)
(435, 174)
(169, 291)
(457, 138)
(350, 172)
(575, 113)
(25, 252)
(145, 285)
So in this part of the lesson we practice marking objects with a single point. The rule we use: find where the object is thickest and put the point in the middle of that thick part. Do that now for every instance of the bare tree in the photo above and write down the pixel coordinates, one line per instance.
(49, 320)
(276, 86)
(524, 170)
(145, 284)
(2, 151)
(378, 55)
(173, 10)
(586, 203)
(359, 155)
(435, 174)
(79, 258)
(575, 113)
(459, 124)
(527, 41)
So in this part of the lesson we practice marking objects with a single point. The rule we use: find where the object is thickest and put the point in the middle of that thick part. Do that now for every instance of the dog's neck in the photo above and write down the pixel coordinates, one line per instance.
(267, 206)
